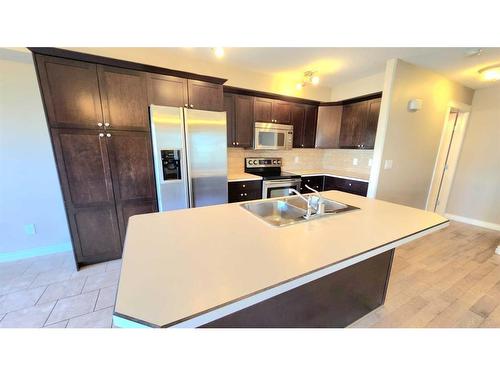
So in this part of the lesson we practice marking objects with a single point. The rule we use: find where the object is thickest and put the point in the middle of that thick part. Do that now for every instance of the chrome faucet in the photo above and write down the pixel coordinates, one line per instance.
(308, 214)
(320, 205)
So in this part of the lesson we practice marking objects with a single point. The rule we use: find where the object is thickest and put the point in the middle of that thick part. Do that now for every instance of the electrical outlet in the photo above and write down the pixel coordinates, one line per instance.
(370, 162)
(30, 229)
(355, 161)
(388, 164)
(296, 159)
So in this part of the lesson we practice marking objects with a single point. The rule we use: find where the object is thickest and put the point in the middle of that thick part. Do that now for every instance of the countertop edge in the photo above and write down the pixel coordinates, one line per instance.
(217, 312)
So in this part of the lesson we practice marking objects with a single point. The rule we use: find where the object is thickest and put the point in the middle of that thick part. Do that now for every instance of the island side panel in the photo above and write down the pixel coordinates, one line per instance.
(333, 301)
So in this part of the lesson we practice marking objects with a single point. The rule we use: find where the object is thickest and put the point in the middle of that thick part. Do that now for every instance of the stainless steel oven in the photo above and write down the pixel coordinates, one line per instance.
(279, 188)
(269, 136)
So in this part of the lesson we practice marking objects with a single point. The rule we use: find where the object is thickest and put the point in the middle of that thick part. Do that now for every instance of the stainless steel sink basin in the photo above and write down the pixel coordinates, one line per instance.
(276, 212)
(291, 210)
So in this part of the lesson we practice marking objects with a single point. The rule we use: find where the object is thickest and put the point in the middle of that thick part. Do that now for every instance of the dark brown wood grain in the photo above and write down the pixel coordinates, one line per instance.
(281, 112)
(354, 117)
(333, 301)
(70, 91)
(124, 98)
(310, 126)
(240, 191)
(328, 126)
(263, 110)
(167, 90)
(244, 121)
(370, 130)
(229, 108)
(268, 95)
(298, 122)
(205, 96)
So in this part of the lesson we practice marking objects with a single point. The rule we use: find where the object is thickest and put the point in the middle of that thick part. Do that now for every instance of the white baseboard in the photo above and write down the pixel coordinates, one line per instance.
(34, 252)
(476, 222)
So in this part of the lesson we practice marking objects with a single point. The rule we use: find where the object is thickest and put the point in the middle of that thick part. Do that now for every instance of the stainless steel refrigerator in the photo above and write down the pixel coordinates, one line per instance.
(190, 157)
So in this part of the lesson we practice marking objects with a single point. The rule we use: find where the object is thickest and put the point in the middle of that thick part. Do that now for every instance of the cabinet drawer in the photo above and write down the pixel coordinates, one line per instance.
(244, 191)
(346, 185)
(316, 182)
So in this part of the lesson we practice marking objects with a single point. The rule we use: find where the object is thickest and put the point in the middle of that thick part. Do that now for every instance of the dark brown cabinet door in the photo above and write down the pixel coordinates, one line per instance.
(84, 171)
(244, 120)
(328, 126)
(167, 90)
(70, 91)
(368, 137)
(124, 98)
(310, 126)
(244, 191)
(354, 117)
(230, 119)
(298, 122)
(281, 112)
(205, 96)
(263, 110)
(130, 157)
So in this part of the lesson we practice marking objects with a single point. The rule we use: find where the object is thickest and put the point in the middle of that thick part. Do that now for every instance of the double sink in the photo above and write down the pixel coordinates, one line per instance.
(293, 209)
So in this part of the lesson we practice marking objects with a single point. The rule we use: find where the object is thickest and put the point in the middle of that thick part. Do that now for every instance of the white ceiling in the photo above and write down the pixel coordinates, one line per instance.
(337, 65)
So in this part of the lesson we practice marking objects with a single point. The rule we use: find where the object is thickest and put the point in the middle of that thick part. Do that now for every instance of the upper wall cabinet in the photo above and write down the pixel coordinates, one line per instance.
(272, 110)
(205, 96)
(328, 127)
(167, 90)
(303, 119)
(71, 92)
(124, 98)
(240, 120)
(359, 124)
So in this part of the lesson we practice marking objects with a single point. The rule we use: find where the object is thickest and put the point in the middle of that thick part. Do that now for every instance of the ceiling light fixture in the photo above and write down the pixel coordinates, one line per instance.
(490, 73)
(218, 52)
(310, 77)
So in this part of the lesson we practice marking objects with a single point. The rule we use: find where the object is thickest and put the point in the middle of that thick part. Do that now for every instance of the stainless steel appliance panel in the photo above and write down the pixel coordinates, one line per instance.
(167, 132)
(271, 136)
(206, 147)
(279, 188)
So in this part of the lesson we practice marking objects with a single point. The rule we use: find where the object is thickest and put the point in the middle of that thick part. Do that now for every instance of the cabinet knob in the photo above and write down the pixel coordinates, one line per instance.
(350, 184)
(108, 135)
(191, 105)
(107, 124)
(245, 194)
(301, 145)
(237, 143)
(243, 185)
(234, 143)
(101, 135)
(186, 105)
(99, 124)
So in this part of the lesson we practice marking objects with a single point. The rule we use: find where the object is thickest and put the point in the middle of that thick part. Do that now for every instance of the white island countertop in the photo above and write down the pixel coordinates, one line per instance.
(192, 266)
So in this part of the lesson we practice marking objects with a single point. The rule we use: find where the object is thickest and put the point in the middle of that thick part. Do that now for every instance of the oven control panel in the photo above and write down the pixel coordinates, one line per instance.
(262, 162)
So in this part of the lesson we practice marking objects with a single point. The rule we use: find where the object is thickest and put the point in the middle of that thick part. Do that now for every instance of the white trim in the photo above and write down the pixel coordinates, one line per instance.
(282, 288)
(468, 220)
(383, 124)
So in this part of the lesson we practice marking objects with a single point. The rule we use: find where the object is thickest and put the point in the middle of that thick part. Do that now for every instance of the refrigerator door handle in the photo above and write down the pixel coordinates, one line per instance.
(187, 160)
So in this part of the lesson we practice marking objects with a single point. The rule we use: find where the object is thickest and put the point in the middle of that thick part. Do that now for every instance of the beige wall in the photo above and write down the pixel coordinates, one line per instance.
(184, 59)
(411, 139)
(475, 192)
(359, 87)
(29, 186)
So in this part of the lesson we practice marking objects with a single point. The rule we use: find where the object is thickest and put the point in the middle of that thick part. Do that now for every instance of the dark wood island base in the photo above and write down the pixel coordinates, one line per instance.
(333, 301)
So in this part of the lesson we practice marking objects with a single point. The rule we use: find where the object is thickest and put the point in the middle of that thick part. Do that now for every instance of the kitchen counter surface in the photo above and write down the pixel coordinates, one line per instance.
(242, 176)
(186, 267)
(343, 173)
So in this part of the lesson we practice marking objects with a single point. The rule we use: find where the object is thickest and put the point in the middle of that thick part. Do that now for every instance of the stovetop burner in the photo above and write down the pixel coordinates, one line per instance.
(267, 168)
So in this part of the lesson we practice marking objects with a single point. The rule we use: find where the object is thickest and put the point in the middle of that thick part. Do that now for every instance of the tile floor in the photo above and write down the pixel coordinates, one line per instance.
(448, 279)
(48, 292)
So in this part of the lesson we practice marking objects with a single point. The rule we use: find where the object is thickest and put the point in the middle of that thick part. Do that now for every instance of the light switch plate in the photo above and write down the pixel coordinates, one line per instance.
(355, 161)
(388, 164)
(296, 159)
(370, 162)
(30, 229)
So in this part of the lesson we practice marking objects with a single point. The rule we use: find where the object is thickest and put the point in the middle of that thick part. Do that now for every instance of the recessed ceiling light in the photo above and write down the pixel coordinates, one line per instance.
(490, 73)
(473, 52)
(218, 52)
(315, 80)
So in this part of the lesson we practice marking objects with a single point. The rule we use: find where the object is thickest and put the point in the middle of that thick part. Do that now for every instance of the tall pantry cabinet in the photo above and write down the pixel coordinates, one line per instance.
(99, 126)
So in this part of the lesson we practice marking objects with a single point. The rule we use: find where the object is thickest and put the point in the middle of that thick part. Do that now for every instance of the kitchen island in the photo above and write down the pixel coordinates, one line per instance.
(221, 266)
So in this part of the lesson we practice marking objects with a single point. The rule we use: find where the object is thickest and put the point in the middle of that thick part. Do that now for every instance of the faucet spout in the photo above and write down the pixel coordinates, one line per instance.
(308, 214)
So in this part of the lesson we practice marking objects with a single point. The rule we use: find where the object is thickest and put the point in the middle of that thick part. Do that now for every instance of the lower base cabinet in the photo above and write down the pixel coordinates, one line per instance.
(315, 182)
(346, 185)
(241, 191)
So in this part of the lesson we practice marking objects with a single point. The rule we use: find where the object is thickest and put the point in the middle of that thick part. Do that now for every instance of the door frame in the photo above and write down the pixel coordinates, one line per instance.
(442, 155)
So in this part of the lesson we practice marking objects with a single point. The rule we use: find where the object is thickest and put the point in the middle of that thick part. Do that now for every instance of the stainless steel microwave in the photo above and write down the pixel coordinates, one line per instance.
(269, 136)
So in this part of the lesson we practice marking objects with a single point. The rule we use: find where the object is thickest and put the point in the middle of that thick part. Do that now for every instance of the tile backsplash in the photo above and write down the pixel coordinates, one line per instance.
(305, 159)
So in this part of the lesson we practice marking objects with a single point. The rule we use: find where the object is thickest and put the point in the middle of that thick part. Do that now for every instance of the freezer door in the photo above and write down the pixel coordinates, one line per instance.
(167, 131)
(207, 156)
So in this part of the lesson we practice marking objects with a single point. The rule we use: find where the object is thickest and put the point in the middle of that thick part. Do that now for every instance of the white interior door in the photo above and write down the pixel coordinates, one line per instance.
(449, 151)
